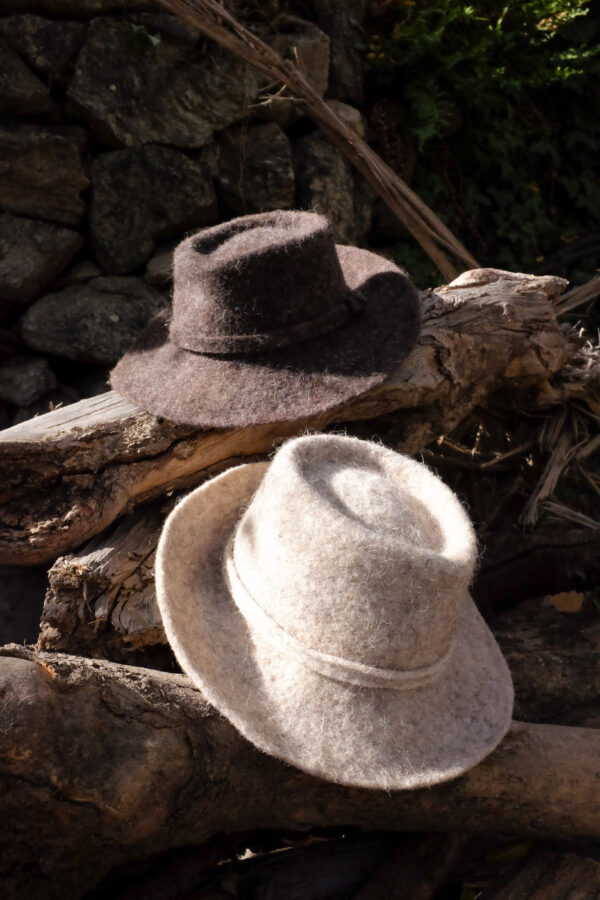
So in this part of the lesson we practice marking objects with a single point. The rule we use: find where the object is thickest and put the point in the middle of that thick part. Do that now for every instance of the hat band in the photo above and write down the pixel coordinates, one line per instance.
(347, 671)
(351, 306)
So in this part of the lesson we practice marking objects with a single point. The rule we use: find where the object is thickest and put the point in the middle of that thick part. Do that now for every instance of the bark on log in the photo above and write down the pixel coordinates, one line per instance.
(65, 476)
(101, 601)
(101, 763)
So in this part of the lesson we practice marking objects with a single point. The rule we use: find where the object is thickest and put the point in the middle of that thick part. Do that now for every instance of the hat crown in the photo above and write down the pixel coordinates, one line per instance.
(257, 282)
(358, 552)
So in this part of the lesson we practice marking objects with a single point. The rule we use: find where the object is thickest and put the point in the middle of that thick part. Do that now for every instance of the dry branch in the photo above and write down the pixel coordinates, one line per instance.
(577, 296)
(65, 476)
(103, 763)
(210, 18)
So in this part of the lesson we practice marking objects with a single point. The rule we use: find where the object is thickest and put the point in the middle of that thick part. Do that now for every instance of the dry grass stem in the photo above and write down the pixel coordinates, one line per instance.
(560, 511)
(559, 459)
(578, 296)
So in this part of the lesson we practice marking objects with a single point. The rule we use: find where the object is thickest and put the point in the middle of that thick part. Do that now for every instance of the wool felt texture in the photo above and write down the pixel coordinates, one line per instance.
(321, 603)
(271, 322)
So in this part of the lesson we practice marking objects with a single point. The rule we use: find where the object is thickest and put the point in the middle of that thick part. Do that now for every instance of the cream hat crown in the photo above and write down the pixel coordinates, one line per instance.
(321, 603)
(348, 516)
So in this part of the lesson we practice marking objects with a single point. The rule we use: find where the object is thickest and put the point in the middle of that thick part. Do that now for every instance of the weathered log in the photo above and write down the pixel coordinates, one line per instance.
(65, 476)
(102, 763)
(101, 601)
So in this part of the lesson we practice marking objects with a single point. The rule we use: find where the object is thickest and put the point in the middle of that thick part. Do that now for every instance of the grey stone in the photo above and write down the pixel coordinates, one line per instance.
(78, 9)
(32, 254)
(328, 183)
(164, 23)
(350, 116)
(61, 395)
(21, 91)
(25, 379)
(10, 343)
(159, 270)
(364, 197)
(308, 46)
(342, 21)
(132, 86)
(208, 158)
(304, 44)
(142, 196)
(93, 322)
(47, 45)
(325, 183)
(41, 172)
(255, 171)
(79, 274)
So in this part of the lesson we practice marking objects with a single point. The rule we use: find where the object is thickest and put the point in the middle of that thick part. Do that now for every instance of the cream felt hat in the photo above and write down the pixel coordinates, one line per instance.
(321, 603)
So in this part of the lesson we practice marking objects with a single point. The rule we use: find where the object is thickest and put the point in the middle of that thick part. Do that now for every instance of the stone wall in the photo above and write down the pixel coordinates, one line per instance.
(122, 131)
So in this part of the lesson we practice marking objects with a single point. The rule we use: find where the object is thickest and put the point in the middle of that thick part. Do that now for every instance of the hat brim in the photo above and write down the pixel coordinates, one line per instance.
(376, 738)
(285, 384)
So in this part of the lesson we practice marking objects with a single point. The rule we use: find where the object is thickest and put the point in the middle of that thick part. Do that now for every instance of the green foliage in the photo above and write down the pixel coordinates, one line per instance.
(142, 41)
(500, 99)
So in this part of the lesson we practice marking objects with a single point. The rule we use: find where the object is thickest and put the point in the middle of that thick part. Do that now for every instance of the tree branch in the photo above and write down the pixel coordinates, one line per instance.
(101, 763)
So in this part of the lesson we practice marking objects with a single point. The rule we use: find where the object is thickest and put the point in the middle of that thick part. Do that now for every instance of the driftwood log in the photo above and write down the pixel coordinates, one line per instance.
(66, 476)
(101, 763)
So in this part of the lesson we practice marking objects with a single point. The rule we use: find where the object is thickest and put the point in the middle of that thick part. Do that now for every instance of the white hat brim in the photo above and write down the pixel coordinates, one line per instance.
(376, 738)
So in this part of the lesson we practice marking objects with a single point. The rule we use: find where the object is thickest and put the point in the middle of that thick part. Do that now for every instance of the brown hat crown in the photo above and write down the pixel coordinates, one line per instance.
(259, 282)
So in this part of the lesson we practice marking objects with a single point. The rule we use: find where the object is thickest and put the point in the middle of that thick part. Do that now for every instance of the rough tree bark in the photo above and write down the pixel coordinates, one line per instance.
(65, 476)
(101, 763)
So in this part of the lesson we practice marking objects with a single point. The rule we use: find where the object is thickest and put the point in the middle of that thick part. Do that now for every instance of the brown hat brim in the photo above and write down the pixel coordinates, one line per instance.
(287, 383)
(371, 737)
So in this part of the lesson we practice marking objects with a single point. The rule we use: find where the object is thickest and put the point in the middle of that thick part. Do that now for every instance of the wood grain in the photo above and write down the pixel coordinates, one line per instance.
(102, 763)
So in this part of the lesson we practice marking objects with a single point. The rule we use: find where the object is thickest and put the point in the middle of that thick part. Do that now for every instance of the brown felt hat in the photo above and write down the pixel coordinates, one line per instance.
(271, 322)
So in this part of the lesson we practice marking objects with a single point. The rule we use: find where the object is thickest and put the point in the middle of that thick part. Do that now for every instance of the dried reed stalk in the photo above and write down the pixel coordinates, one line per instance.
(578, 296)
(435, 238)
